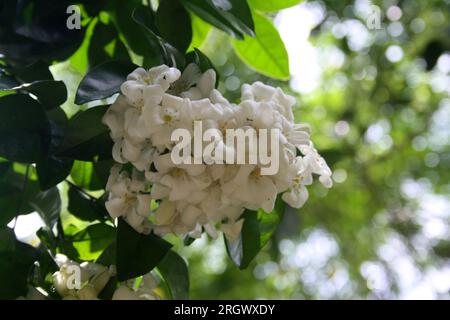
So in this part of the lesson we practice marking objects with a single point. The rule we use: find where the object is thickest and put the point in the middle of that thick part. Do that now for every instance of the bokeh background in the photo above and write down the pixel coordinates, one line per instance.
(379, 106)
(378, 99)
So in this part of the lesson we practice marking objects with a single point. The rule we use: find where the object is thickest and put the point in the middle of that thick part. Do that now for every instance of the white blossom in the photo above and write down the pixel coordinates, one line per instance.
(82, 281)
(206, 196)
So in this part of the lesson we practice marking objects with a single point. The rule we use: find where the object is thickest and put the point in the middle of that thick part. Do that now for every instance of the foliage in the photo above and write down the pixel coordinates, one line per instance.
(382, 126)
(56, 154)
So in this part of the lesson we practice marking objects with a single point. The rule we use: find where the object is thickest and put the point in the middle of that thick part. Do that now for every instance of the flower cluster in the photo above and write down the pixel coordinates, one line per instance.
(158, 195)
(85, 281)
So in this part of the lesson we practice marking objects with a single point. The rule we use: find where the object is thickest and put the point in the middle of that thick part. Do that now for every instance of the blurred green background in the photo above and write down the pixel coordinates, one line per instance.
(377, 98)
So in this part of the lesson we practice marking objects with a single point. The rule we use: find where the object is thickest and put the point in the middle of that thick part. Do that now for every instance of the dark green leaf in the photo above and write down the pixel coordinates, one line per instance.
(16, 261)
(50, 93)
(108, 256)
(21, 195)
(122, 17)
(24, 129)
(175, 272)
(47, 239)
(32, 72)
(35, 31)
(84, 207)
(108, 291)
(105, 45)
(10, 197)
(103, 80)
(85, 136)
(48, 205)
(232, 16)
(178, 34)
(7, 239)
(100, 146)
(7, 82)
(159, 53)
(240, 10)
(246, 247)
(257, 229)
(58, 117)
(137, 254)
(52, 171)
(102, 169)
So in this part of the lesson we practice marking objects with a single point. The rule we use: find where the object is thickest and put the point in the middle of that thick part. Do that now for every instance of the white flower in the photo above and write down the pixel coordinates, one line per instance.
(145, 291)
(253, 189)
(232, 231)
(128, 199)
(144, 86)
(275, 96)
(193, 84)
(317, 165)
(192, 198)
(92, 278)
(298, 194)
(162, 119)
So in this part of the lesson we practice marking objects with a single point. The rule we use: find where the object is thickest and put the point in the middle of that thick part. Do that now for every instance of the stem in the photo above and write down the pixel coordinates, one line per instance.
(81, 190)
(92, 198)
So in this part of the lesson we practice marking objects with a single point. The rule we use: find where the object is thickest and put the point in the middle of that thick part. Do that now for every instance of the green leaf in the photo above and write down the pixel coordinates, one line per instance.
(24, 129)
(109, 289)
(93, 240)
(52, 171)
(105, 45)
(15, 189)
(241, 11)
(159, 52)
(108, 256)
(7, 82)
(137, 254)
(121, 14)
(200, 31)
(86, 137)
(31, 72)
(257, 230)
(48, 205)
(103, 80)
(84, 207)
(84, 176)
(175, 272)
(7, 239)
(16, 261)
(272, 5)
(246, 247)
(21, 195)
(266, 52)
(50, 93)
(10, 197)
(233, 16)
(102, 169)
(178, 34)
